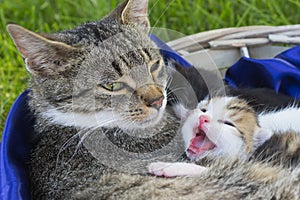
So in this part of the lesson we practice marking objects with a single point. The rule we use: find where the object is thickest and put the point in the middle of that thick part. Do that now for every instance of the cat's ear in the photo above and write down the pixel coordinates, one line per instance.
(133, 12)
(43, 56)
(260, 136)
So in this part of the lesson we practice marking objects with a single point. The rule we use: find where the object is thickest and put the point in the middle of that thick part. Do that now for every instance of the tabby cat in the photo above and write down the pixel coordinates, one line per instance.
(98, 94)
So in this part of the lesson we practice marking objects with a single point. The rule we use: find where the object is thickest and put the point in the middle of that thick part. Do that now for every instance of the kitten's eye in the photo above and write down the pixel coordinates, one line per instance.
(229, 123)
(155, 66)
(112, 86)
(226, 122)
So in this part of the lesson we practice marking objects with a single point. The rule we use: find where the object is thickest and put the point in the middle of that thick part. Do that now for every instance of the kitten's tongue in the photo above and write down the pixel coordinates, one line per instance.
(199, 144)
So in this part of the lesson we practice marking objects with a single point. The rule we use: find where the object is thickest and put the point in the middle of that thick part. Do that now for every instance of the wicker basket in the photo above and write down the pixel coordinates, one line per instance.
(223, 47)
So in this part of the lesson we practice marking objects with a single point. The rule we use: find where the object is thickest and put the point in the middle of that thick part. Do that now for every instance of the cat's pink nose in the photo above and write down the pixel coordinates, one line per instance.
(157, 103)
(203, 119)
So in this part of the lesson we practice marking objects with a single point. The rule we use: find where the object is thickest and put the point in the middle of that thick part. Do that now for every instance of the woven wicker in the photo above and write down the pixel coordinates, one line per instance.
(223, 47)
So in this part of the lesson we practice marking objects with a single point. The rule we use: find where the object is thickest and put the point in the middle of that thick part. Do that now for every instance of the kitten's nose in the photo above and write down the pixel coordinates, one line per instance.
(203, 119)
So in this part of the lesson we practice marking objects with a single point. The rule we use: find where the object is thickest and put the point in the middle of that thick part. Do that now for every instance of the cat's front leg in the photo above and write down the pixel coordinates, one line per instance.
(168, 169)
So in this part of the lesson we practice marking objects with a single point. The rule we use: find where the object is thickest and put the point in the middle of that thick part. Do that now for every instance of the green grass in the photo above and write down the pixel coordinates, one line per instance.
(185, 16)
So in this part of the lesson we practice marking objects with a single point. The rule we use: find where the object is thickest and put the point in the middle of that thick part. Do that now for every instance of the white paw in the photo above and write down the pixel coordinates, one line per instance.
(175, 169)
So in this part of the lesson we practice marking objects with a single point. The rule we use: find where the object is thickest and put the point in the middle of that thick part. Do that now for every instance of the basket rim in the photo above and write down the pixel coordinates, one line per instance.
(234, 35)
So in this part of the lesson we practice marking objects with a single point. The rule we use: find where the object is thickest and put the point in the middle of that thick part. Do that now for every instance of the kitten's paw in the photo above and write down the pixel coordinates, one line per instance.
(160, 168)
(175, 169)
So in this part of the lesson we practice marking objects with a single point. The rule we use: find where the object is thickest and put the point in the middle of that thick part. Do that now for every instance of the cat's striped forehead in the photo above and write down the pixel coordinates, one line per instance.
(135, 58)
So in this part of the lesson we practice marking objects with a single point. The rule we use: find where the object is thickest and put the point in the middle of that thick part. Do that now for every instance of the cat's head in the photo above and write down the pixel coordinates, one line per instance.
(106, 73)
(222, 126)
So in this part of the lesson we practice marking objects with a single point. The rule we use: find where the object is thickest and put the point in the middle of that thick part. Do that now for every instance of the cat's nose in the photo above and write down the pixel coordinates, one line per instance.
(203, 120)
(151, 95)
(157, 102)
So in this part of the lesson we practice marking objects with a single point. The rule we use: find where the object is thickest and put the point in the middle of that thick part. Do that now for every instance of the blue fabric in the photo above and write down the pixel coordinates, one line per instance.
(168, 53)
(281, 73)
(14, 151)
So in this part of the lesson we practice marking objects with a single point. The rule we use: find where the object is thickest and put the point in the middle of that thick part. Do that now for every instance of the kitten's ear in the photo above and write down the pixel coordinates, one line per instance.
(42, 56)
(133, 12)
(260, 136)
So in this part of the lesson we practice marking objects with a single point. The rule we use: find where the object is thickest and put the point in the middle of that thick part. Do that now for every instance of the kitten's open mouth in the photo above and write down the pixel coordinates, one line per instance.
(199, 144)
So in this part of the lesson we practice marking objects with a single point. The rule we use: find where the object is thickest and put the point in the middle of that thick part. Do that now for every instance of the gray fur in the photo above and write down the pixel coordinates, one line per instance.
(225, 180)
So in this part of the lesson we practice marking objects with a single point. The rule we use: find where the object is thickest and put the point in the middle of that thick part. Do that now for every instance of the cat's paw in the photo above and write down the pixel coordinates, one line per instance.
(166, 169)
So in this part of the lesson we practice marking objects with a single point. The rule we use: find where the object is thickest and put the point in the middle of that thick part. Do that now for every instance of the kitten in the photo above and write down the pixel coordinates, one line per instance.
(228, 127)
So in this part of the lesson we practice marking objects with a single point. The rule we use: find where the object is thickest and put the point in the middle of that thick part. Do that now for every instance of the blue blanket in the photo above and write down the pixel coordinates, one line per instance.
(281, 74)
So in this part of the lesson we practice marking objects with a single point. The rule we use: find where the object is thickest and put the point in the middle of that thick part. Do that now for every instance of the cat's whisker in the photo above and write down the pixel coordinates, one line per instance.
(153, 7)
(221, 92)
(164, 11)
(65, 146)
(173, 90)
(129, 122)
(169, 81)
(173, 99)
(58, 108)
(85, 135)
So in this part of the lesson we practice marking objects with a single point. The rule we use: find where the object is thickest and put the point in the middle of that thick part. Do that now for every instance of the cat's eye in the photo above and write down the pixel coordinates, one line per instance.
(115, 86)
(155, 66)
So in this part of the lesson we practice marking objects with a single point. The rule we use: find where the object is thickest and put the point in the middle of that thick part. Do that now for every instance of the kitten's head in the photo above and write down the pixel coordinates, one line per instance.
(222, 126)
(105, 73)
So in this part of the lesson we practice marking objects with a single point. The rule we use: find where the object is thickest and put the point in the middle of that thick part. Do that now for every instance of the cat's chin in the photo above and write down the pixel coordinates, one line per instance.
(150, 121)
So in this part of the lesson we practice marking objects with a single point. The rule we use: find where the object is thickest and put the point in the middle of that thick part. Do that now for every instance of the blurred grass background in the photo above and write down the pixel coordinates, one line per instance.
(185, 16)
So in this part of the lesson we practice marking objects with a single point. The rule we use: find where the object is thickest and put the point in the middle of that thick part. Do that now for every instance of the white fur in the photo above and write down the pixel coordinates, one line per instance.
(260, 136)
(81, 120)
(223, 136)
(180, 111)
(283, 120)
(175, 169)
(105, 118)
(187, 129)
